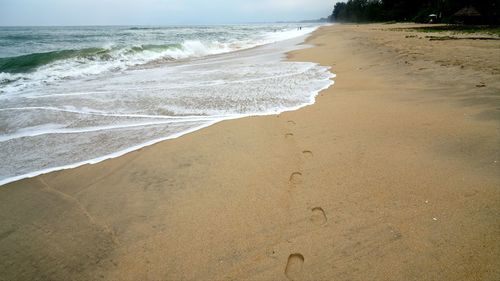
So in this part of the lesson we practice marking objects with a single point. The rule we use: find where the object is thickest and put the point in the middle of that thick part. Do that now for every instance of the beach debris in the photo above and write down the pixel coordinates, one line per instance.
(442, 38)
(434, 219)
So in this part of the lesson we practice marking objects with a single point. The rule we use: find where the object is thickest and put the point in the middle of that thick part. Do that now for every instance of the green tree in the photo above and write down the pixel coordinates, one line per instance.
(411, 10)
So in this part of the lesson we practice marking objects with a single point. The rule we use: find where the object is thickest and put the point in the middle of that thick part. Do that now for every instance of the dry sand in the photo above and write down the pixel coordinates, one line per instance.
(394, 174)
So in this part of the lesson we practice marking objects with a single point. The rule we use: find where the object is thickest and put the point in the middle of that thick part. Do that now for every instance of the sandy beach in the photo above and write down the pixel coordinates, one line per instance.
(393, 174)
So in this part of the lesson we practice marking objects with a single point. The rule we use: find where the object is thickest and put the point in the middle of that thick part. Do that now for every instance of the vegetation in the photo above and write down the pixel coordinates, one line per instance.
(412, 10)
(460, 29)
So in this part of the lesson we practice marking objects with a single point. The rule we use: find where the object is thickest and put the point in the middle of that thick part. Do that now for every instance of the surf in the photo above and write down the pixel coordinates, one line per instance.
(72, 107)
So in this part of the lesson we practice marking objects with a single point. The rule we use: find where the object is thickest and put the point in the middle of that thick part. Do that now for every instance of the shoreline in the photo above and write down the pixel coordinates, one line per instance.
(392, 174)
(294, 44)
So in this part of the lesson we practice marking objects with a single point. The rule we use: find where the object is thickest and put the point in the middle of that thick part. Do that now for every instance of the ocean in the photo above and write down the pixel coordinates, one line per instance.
(76, 95)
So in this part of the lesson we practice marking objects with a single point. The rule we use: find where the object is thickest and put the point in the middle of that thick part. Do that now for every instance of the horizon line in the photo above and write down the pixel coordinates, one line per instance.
(168, 24)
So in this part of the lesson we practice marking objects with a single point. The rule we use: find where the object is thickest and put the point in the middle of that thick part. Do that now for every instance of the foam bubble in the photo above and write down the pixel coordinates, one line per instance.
(109, 58)
(57, 125)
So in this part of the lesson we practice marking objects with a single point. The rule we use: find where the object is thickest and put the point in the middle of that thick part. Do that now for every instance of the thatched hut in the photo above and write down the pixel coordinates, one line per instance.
(468, 15)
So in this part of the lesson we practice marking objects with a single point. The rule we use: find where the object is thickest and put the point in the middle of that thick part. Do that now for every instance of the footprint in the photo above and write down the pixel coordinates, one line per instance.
(291, 122)
(288, 135)
(471, 193)
(318, 216)
(295, 177)
(294, 266)
(307, 153)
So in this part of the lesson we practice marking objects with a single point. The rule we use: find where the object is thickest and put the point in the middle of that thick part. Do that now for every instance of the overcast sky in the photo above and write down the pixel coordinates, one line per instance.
(158, 12)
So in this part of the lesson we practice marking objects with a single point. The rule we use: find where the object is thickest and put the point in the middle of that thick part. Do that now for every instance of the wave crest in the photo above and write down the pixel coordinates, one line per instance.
(26, 71)
(17, 73)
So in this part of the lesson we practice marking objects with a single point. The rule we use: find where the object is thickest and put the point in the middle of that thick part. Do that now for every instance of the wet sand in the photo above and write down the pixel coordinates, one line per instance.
(394, 174)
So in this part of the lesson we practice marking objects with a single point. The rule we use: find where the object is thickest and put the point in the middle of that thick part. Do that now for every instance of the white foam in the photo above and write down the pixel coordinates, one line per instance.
(102, 158)
(58, 128)
(273, 37)
(146, 106)
(149, 143)
(100, 113)
(122, 59)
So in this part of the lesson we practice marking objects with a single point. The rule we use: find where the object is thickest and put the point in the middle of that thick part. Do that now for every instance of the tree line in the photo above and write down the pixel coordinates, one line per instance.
(412, 10)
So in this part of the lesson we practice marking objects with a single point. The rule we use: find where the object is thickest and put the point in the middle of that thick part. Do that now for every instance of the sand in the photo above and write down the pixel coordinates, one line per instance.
(394, 174)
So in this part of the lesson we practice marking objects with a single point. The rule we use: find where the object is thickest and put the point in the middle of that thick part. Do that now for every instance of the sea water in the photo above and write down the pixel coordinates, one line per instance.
(76, 95)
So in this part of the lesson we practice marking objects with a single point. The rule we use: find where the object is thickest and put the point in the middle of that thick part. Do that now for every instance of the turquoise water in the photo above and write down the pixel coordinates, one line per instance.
(75, 95)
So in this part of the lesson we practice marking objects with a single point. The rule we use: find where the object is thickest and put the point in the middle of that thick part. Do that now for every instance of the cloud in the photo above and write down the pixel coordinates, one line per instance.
(287, 4)
(102, 12)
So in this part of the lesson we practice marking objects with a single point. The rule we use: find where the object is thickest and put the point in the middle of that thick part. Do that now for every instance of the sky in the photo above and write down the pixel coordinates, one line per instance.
(158, 12)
